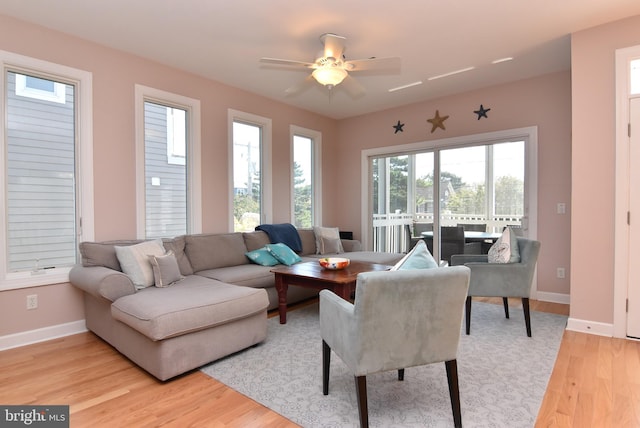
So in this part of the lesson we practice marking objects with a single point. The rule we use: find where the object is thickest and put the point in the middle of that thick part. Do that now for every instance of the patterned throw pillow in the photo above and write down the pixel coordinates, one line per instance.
(134, 260)
(166, 271)
(284, 254)
(505, 249)
(262, 256)
(418, 258)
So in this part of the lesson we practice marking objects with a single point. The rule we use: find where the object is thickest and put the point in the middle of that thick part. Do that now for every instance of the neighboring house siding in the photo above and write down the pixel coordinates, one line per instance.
(166, 203)
(40, 180)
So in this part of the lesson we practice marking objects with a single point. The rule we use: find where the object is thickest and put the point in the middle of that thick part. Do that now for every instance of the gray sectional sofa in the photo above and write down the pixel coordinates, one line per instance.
(219, 306)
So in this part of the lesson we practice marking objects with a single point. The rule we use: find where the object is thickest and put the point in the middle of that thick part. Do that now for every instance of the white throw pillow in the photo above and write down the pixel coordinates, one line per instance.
(505, 249)
(328, 240)
(134, 260)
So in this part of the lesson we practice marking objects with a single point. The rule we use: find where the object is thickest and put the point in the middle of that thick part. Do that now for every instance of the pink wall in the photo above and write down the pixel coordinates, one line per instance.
(593, 166)
(114, 76)
(544, 102)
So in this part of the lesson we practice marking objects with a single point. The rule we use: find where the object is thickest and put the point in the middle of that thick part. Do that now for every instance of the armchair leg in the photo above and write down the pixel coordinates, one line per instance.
(468, 314)
(527, 315)
(361, 394)
(401, 374)
(505, 303)
(454, 392)
(326, 360)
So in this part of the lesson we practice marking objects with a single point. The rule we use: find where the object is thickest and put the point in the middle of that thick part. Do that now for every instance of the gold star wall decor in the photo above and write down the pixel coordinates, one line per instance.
(437, 122)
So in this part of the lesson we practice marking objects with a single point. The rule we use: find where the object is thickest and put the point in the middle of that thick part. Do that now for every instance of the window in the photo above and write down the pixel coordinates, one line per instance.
(250, 166)
(306, 194)
(46, 179)
(168, 166)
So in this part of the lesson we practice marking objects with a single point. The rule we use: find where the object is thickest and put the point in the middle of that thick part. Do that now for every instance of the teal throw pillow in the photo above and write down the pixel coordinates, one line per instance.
(262, 256)
(418, 258)
(284, 254)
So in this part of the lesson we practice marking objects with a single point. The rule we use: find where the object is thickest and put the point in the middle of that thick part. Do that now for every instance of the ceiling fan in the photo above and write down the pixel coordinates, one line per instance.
(332, 68)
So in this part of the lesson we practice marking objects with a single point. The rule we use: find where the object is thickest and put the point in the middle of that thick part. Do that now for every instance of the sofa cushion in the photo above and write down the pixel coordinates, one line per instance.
(255, 240)
(211, 251)
(308, 239)
(103, 253)
(195, 303)
(177, 245)
(250, 275)
(134, 260)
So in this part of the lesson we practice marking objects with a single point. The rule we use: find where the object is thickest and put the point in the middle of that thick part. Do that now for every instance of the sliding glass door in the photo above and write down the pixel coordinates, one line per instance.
(481, 189)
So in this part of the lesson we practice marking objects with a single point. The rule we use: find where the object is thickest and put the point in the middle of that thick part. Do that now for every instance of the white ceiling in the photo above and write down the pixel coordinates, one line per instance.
(224, 40)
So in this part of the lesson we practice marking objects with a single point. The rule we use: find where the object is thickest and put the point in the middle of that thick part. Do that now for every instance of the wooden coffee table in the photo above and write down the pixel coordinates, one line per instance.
(312, 275)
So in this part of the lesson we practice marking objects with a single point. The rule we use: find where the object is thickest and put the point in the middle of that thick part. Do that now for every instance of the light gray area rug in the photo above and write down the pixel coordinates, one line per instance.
(502, 373)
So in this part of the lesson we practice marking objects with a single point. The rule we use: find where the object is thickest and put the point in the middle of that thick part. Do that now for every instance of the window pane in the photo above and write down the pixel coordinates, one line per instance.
(302, 182)
(41, 197)
(424, 188)
(508, 181)
(247, 201)
(463, 185)
(165, 170)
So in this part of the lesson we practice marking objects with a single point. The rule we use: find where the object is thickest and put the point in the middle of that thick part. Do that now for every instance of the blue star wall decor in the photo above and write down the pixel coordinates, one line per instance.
(398, 127)
(482, 112)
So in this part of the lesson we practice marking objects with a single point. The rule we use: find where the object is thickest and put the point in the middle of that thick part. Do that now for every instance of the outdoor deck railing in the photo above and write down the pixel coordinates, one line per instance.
(391, 231)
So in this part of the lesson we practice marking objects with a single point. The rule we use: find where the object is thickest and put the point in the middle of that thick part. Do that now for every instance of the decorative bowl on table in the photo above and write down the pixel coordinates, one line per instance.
(334, 263)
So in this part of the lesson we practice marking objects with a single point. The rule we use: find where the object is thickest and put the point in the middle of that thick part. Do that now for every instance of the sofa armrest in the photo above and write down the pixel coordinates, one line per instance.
(100, 281)
(350, 245)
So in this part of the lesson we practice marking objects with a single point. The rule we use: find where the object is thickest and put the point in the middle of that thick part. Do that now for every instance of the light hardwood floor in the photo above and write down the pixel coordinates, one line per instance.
(595, 383)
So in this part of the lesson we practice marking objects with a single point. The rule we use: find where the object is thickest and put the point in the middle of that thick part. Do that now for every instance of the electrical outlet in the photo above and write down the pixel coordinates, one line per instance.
(32, 301)
(561, 208)
(560, 272)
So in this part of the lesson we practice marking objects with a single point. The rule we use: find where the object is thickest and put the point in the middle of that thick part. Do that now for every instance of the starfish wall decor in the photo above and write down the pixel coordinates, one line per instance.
(398, 127)
(437, 122)
(482, 112)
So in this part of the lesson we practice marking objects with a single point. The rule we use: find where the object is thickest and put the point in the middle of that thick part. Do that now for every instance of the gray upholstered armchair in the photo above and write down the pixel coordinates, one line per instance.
(399, 319)
(502, 279)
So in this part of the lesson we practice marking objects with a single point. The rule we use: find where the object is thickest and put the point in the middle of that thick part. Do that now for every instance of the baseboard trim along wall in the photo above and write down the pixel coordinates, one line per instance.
(42, 334)
(590, 327)
(545, 296)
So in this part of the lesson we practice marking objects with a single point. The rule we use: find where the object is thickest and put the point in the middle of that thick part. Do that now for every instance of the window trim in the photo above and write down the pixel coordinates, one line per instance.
(265, 163)
(194, 149)
(83, 81)
(316, 138)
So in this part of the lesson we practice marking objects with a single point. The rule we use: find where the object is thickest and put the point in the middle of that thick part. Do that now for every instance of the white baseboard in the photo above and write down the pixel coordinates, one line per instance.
(545, 296)
(591, 327)
(42, 334)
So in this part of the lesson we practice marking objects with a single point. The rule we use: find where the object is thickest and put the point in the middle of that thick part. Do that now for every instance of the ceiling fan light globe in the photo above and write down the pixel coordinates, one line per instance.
(329, 75)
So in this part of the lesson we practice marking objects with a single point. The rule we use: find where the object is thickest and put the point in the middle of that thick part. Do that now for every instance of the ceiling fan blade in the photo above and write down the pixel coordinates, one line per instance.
(333, 45)
(389, 64)
(353, 87)
(286, 62)
(299, 87)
